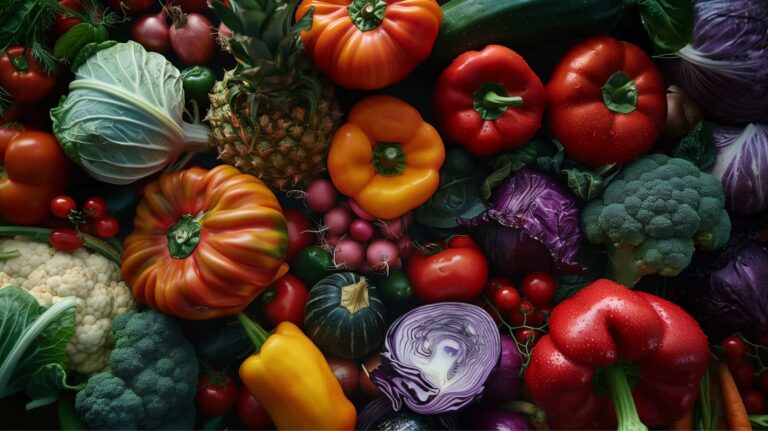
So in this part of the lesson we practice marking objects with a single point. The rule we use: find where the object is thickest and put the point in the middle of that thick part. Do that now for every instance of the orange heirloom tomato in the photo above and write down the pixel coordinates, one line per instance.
(370, 44)
(205, 243)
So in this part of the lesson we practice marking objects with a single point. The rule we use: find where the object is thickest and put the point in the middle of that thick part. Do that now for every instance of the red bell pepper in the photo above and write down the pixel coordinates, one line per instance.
(606, 102)
(610, 345)
(489, 101)
(23, 77)
(35, 171)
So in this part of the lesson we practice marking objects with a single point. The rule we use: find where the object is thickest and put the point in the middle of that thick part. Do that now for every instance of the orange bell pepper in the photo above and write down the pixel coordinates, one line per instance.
(386, 157)
(370, 44)
(35, 171)
(205, 243)
(291, 378)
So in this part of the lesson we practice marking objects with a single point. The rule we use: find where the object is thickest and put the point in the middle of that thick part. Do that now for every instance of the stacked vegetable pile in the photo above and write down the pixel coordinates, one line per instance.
(384, 214)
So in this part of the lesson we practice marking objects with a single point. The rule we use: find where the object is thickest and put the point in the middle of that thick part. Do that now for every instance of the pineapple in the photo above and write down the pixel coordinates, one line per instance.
(272, 116)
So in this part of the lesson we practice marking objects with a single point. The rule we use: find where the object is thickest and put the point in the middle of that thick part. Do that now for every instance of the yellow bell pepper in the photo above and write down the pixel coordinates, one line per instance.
(386, 157)
(291, 378)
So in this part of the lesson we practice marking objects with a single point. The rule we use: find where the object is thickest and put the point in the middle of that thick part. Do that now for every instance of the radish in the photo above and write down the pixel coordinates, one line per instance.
(361, 230)
(405, 246)
(360, 212)
(382, 255)
(348, 254)
(321, 195)
(331, 240)
(337, 220)
(395, 228)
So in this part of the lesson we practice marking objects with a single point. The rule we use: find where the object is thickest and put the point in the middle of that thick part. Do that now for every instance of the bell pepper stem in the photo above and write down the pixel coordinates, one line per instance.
(493, 100)
(621, 395)
(255, 332)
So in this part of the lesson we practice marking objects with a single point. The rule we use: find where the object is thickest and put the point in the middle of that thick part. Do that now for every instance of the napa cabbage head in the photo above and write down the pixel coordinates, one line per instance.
(122, 120)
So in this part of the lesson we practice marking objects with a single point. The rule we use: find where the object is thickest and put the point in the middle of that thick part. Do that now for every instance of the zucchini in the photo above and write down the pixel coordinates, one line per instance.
(473, 24)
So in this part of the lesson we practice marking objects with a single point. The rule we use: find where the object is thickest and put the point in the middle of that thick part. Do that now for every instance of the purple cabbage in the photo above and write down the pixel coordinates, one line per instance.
(378, 415)
(726, 67)
(532, 225)
(437, 357)
(742, 166)
(734, 297)
(498, 420)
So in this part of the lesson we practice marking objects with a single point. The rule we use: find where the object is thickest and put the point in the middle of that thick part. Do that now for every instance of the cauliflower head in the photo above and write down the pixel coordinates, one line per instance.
(654, 215)
(95, 281)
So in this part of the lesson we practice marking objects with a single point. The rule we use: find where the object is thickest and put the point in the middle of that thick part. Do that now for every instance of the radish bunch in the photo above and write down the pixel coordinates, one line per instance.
(358, 240)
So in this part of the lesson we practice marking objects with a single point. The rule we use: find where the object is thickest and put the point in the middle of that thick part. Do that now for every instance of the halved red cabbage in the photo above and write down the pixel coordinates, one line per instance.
(437, 357)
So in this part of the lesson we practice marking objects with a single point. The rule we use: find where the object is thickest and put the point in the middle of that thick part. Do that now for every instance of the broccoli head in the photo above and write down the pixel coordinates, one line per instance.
(653, 216)
(152, 378)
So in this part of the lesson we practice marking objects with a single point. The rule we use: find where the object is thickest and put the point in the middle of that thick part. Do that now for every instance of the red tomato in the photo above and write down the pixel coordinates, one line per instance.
(65, 238)
(526, 307)
(506, 299)
(515, 317)
(216, 394)
(735, 349)
(743, 374)
(96, 207)
(106, 227)
(300, 234)
(495, 284)
(539, 288)
(754, 402)
(22, 76)
(63, 21)
(62, 205)
(457, 273)
(540, 316)
(284, 301)
(525, 335)
(251, 412)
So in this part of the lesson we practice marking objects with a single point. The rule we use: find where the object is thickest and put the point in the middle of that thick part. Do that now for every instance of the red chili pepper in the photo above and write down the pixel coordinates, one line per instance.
(489, 101)
(613, 353)
(606, 102)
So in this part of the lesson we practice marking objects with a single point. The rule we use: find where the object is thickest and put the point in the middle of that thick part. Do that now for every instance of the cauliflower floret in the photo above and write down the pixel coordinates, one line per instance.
(50, 275)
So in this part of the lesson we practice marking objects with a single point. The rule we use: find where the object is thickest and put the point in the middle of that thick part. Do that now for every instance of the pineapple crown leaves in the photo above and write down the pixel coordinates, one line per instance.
(273, 66)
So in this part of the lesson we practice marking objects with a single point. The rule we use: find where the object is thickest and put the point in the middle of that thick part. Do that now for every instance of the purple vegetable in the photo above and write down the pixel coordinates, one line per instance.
(733, 298)
(533, 225)
(437, 357)
(378, 414)
(726, 67)
(505, 383)
(498, 420)
(742, 166)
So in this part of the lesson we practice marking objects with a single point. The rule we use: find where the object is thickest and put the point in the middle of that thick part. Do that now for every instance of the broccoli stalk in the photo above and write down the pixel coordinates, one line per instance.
(653, 215)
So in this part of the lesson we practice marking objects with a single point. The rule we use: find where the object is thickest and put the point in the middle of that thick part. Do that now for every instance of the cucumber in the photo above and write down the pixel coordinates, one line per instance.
(473, 24)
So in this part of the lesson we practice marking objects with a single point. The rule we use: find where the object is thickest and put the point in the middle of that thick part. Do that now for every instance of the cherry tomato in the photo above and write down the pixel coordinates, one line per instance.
(526, 307)
(106, 227)
(735, 349)
(216, 393)
(62, 205)
(96, 207)
(540, 315)
(495, 284)
(132, 7)
(456, 273)
(300, 234)
(192, 38)
(754, 401)
(251, 412)
(65, 238)
(515, 317)
(23, 77)
(764, 382)
(506, 299)
(539, 288)
(284, 301)
(525, 335)
(743, 374)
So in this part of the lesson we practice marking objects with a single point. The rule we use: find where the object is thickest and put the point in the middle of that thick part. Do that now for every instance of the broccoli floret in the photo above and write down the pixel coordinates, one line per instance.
(152, 379)
(653, 216)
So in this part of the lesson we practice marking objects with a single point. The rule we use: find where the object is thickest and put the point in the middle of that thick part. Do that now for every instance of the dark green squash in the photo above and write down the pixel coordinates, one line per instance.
(344, 315)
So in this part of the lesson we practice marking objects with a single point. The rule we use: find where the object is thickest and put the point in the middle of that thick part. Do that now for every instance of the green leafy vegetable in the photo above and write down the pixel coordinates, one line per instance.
(32, 343)
(458, 194)
(28, 23)
(669, 23)
(122, 120)
(70, 43)
(508, 164)
(698, 146)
